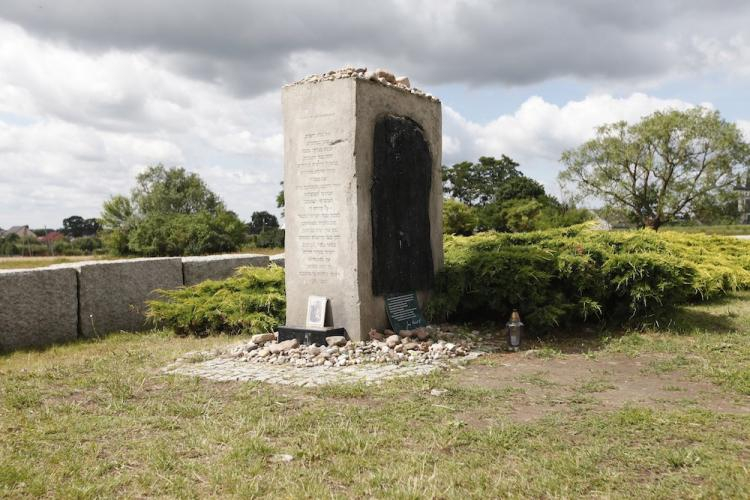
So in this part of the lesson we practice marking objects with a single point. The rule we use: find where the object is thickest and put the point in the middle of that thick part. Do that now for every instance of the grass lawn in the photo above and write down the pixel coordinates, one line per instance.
(96, 419)
(719, 230)
(32, 262)
(262, 251)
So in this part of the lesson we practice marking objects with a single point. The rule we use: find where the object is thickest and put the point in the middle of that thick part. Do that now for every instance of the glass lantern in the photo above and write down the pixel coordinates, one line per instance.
(514, 329)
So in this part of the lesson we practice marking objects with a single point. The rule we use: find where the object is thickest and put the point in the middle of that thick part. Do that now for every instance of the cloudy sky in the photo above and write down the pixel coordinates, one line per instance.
(93, 91)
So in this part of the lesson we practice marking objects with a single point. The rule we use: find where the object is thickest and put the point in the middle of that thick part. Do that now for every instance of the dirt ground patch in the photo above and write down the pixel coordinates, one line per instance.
(575, 383)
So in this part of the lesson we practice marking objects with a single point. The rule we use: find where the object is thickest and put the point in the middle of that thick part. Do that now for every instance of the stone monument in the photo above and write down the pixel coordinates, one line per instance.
(363, 193)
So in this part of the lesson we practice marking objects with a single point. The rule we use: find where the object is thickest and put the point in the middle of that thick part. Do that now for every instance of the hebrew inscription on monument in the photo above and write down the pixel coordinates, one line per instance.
(319, 214)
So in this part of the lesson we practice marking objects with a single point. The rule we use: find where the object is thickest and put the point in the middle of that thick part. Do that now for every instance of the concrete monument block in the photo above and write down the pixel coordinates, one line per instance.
(363, 192)
(112, 294)
(217, 267)
(38, 307)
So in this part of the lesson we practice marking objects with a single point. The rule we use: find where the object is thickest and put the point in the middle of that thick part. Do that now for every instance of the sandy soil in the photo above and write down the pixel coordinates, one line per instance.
(575, 383)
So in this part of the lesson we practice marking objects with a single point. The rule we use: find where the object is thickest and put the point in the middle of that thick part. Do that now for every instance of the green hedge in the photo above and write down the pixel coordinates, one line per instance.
(251, 301)
(562, 276)
(558, 277)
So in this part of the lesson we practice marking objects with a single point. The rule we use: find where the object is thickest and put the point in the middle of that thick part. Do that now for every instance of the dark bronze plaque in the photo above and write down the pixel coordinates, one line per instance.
(403, 311)
(402, 177)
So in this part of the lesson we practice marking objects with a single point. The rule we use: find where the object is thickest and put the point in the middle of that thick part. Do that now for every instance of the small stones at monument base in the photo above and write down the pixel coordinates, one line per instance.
(284, 346)
(336, 340)
(392, 341)
(262, 338)
(376, 335)
(422, 333)
(403, 81)
(382, 76)
(412, 346)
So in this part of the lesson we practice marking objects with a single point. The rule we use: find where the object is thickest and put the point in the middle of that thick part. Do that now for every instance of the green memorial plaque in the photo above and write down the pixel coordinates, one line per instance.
(403, 311)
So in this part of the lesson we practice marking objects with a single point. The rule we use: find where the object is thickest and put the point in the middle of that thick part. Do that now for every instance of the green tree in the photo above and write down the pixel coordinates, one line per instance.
(660, 168)
(270, 238)
(476, 184)
(170, 212)
(76, 226)
(719, 209)
(494, 195)
(117, 219)
(117, 213)
(458, 218)
(521, 215)
(280, 202)
(520, 187)
(262, 221)
(197, 233)
(173, 191)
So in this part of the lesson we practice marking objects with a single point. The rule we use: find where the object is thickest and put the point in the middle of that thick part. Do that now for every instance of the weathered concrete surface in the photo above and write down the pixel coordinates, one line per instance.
(112, 294)
(374, 100)
(278, 259)
(328, 175)
(218, 267)
(38, 307)
(320, 200)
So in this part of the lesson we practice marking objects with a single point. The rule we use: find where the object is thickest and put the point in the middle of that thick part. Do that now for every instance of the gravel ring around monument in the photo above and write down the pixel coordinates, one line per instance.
(263, 359)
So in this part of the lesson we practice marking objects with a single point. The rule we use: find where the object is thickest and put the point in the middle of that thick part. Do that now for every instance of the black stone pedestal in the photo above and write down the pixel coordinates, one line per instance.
(309, 335)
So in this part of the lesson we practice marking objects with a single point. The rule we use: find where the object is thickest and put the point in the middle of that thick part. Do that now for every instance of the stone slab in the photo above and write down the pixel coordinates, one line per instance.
(112, 294)
(38, 307)
(278, 259)
(217, 267)
(305, 335)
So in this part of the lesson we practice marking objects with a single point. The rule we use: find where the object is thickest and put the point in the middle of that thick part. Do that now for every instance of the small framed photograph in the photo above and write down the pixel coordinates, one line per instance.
(316, 311)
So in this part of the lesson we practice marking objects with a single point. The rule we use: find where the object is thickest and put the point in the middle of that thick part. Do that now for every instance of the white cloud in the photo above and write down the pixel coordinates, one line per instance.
(538, 132)
(86, 103)
(731, 56)
(76, 127)
(251, 47)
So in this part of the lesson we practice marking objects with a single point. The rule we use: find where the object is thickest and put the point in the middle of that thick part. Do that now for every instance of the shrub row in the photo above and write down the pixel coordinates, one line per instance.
(561, 276)
(555, 278)
(251, 301)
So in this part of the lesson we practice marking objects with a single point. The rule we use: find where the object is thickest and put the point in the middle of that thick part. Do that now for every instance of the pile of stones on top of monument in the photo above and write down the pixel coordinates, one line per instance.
(382, 76)
(420, 346)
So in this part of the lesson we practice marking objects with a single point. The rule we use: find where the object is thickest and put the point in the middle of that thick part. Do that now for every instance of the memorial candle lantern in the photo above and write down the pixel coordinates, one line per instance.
(514, 330)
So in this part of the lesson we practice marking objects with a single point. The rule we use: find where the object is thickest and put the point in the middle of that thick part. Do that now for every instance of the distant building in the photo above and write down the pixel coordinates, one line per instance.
(52, 237)
(743, 201)
(20, 231)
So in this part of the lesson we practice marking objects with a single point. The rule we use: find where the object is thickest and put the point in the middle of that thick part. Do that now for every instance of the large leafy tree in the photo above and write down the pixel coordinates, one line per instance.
(660, 168)
(174, 191)
(261, 222)
(280, 202)
(458, 218)
(475, 184)
(520, 187)
(170, 212)
(76, 226)
(494, 194)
